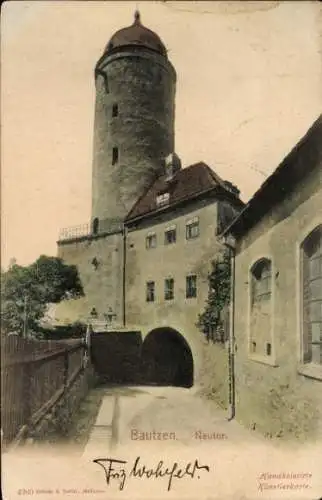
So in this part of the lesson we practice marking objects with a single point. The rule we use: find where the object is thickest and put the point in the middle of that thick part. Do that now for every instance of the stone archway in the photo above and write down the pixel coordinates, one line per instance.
(166, 359)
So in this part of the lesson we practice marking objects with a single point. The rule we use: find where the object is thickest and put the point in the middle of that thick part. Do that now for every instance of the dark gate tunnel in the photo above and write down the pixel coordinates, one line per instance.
(166, 359)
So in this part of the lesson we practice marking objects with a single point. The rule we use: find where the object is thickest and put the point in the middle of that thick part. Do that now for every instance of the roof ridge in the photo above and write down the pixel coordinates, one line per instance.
(215, 176)
(286, 163)
(210, 170)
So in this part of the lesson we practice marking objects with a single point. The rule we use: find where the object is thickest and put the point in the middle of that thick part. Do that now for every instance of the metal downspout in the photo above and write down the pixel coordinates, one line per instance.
(124, 276)
(231, 345)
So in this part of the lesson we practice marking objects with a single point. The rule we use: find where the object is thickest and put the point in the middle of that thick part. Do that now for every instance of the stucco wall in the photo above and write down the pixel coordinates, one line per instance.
(271, 394)
(213, 380)
(176, 260)
(102, 286)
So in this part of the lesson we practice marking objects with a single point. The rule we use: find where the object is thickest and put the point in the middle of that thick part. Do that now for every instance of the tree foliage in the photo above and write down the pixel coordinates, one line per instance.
(211, 321)
(27, 290)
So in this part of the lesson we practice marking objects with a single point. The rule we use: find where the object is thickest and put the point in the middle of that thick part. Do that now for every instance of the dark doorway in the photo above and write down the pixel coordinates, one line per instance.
(166, 359)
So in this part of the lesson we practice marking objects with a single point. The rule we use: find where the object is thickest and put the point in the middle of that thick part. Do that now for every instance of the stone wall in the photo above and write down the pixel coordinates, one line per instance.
(142, 85)
(102, 285)
(214, 373)
(272, 392)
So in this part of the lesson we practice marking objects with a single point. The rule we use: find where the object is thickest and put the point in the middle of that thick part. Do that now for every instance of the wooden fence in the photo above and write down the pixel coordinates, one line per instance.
(34, 375)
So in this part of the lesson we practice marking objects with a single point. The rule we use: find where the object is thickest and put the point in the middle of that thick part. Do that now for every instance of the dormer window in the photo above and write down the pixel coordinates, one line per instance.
(102, 79)
(163, 199)
(232, 188)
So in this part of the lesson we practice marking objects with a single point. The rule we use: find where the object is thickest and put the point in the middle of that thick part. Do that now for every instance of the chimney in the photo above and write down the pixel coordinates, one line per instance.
(172, 166)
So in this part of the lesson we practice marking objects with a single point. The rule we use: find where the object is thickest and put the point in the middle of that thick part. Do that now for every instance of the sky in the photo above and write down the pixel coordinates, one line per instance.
(249, 86)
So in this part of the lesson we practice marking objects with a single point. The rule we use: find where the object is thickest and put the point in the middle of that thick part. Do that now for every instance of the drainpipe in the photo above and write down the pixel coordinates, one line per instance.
(231, 245)
(124, 276)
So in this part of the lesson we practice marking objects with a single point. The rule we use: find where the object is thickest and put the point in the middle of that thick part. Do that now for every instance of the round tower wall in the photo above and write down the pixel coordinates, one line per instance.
(135, 106)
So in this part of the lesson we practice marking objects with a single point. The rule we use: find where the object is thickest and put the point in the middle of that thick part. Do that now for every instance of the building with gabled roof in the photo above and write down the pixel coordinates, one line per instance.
(184, 185)
(277, 327)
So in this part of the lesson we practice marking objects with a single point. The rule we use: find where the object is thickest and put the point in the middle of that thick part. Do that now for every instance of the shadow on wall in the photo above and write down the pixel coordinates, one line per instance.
(163, 359)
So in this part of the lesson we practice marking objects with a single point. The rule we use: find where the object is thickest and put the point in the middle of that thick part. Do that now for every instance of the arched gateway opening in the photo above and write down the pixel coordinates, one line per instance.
(166, 359)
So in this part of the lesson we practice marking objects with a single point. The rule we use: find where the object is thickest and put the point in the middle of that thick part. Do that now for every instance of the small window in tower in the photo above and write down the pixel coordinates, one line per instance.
(115, 110)
(115, 156)
(268, 348)
(95, 225)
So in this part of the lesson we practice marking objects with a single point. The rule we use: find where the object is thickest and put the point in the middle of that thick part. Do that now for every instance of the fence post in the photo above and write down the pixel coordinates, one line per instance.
(27, 393)
(66, 367)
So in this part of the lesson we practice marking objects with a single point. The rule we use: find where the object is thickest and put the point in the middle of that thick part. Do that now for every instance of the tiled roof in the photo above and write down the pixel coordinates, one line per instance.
(186, 184)
(304, 157)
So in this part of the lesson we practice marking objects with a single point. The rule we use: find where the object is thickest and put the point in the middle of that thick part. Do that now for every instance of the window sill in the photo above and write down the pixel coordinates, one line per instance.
(265, 360)
(310, 370)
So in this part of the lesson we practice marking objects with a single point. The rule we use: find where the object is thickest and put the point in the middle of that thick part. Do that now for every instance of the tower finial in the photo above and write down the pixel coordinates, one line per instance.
(137, 17)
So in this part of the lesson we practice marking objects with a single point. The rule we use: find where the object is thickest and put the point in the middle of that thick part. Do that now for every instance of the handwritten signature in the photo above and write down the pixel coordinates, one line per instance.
(115, 470)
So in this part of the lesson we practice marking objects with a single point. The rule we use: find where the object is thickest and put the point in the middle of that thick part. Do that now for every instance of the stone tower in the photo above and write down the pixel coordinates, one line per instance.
(134, 119)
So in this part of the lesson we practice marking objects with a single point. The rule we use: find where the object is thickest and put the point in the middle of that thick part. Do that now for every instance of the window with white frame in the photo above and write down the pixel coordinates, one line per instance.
(163, 199)
(151, 240)
(260, 320)
(168, 288)
(170, 235)
(191, 286)
(150, 291)
(192, 228)
(311, 253)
